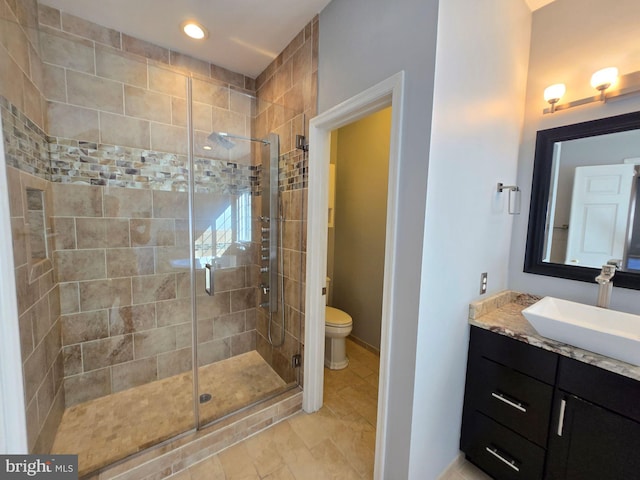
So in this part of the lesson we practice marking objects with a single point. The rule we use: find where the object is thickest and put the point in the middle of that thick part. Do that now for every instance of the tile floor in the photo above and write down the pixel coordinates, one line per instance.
(337, 442)
(464, 471)
(110, 428)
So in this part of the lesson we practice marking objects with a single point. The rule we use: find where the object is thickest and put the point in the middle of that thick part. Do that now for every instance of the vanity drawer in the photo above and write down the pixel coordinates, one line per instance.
(532, 361)
(513, 399)
(501, 453)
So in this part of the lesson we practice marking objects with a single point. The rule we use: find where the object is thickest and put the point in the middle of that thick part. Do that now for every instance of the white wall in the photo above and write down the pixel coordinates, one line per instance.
(480, 84)
(481, 68)
(363, 42)
(571, 39)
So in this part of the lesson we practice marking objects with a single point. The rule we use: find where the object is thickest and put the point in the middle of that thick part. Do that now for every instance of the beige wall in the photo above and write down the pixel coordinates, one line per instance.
(39, 317)
(362, 169)
(107, 89)
(126, 308)
(22, 107)
(290, 82)
(115, 108)
(21, 77)
(125, 320)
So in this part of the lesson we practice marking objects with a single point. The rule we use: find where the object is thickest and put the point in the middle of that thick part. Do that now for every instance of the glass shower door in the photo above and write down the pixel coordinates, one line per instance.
(234, 356)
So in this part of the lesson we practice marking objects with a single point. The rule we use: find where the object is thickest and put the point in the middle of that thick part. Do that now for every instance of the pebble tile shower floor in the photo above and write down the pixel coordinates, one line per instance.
(107, 429)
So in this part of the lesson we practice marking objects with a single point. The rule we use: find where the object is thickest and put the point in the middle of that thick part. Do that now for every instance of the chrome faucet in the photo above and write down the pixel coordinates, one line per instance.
(605, 284)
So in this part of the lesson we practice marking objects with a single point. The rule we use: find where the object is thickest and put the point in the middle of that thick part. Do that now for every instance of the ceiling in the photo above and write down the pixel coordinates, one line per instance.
(244, 35)
(536, 4)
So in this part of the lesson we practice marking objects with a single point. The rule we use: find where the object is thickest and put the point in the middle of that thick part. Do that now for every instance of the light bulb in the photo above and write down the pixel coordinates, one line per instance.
(603, 79)
(194, 30)
(554, 93)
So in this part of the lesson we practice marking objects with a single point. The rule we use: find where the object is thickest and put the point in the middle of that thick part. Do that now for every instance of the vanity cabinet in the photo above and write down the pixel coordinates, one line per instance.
(533, 414)
(595, 431)
(507, 408)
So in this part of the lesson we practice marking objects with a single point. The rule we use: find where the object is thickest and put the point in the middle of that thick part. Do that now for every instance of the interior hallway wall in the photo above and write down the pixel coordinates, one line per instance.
(363, 42)
(569, 41)
(362, 176)
(481, 75)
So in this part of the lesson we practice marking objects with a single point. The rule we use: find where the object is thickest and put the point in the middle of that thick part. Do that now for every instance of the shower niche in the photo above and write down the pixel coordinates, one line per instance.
(36, 207)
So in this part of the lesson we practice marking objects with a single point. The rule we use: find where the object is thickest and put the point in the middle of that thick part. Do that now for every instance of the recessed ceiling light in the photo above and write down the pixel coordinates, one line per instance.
(207, 147)
(194, 30)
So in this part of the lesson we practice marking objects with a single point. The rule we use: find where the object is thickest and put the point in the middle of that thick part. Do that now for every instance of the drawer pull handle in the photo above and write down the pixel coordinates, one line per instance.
(563, 406)
(509, 463)
(516, 405)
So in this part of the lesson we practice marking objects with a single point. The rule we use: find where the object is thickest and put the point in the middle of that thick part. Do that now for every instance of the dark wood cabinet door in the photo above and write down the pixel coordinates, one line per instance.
(588, 442)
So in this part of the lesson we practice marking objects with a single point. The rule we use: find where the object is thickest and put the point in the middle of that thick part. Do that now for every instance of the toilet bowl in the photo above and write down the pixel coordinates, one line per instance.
(337, 326)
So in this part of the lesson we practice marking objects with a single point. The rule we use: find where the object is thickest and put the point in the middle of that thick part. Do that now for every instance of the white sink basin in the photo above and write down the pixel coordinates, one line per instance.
(607, 332)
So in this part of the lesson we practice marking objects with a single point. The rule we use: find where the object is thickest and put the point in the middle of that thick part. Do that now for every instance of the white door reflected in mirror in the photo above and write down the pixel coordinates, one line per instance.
(598, 222)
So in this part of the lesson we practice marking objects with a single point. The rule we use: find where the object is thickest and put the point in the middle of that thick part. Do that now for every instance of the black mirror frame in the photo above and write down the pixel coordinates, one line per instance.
(540, 187)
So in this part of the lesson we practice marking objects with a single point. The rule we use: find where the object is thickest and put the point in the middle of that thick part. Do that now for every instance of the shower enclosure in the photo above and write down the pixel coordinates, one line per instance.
(162, 273)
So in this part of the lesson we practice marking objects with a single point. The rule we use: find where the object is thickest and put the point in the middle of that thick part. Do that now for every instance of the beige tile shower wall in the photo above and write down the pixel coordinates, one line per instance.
(290, 82)
(122, 259)
(22, 106)
(105, 87)
(39, 317)
(21, 76)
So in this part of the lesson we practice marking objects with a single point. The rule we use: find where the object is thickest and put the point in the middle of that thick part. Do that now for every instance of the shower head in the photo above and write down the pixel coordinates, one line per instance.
(224, 139)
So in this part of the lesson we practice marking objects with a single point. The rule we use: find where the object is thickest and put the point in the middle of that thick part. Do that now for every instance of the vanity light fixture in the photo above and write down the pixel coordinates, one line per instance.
(514, 197)
(603, 80)
(193, 29)
(553, 94)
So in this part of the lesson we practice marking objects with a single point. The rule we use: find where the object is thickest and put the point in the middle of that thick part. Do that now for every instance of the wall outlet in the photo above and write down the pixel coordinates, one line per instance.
(483, 283)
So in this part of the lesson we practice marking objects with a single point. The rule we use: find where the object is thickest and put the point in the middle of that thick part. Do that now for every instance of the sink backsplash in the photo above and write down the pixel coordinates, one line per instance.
(501, 300)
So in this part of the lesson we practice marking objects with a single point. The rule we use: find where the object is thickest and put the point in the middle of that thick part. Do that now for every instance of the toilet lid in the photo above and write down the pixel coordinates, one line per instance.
(333, 316)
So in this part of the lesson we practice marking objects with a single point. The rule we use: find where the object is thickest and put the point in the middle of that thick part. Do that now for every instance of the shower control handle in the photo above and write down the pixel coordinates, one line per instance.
(264, 269)
(265, 289)
(264, 258)
(264, 229)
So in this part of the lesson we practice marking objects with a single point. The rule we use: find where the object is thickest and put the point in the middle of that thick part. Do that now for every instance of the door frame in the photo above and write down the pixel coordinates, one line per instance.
(389, 92)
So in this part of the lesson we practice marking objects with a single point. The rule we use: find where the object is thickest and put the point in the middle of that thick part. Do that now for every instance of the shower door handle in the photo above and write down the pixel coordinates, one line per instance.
(208, 279)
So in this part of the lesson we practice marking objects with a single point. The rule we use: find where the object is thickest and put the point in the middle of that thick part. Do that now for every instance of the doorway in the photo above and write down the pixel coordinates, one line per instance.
(388, 93)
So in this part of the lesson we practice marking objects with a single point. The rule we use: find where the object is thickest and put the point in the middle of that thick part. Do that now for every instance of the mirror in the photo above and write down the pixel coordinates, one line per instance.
(584, 198)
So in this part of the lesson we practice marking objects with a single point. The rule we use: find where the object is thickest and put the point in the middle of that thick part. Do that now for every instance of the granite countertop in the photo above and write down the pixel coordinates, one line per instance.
(501, 313)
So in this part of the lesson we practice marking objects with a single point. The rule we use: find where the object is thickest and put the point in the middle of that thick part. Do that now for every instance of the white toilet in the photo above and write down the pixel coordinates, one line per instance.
(338, 325)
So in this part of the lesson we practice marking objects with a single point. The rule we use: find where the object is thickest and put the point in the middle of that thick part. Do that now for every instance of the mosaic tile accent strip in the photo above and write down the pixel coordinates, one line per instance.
(24, 142)
(294, 171)
(74, 161)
